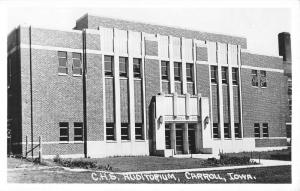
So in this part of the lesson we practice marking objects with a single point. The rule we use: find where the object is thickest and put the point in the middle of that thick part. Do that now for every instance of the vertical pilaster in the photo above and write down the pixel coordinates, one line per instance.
(171, 65)
(198, 137)
(117, 91)
(143, 82)
(173, 137)
(194, 67)
(131, 89)
(240, 91)
(159, 60)
(183, 66)
(185, 139)
(231, 113)
(220, 96)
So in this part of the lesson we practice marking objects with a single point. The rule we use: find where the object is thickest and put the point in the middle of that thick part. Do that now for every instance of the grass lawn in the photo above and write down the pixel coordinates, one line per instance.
(265, 154)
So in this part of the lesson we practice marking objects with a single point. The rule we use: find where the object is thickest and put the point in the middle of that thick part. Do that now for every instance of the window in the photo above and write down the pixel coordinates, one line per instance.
(265, 130)
(124, 131)
(263, 78)
(108, 65)
(189, 72)
(78, 131)
(235, 76)
(226, 130)
(123, 63)
(254, 78)
(76, 58)
(164, 70)
(256, 130)
(63, 131)
(177, 71)
(237, 130)
(139, 131)
(9, 75)
(213, 74)
(62, 62)
(216, 130)
(110, 131)
(137, 67)
(224, 75)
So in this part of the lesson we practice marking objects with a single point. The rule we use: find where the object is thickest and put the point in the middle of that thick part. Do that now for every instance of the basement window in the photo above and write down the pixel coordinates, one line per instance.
(138, 131)
(124, 131)
(62, 62)
(78, 131)
(237, 130)
(226, 130)
(216, 133)
(110, 131)
(63, 131)
(265, 129)
(256, 130)
(76, 67)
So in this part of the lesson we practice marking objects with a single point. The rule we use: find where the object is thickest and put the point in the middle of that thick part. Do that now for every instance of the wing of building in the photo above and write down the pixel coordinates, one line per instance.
(119, 88)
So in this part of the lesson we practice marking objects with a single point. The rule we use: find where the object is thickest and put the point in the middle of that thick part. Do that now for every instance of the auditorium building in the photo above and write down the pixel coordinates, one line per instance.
(112, 87)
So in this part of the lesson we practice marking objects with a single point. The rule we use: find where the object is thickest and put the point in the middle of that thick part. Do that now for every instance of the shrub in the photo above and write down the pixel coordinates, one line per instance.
(229, 160)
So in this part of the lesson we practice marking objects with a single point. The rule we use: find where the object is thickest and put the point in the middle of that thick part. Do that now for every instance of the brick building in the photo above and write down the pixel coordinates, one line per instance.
(112, 87)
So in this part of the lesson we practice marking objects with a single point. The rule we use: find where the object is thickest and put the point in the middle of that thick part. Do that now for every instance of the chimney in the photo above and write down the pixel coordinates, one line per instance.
(284, 43)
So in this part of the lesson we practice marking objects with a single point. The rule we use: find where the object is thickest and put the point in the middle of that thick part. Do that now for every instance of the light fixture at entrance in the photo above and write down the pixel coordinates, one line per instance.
(206, 121)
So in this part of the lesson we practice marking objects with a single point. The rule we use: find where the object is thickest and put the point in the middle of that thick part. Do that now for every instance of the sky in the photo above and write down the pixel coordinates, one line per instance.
(259, 25)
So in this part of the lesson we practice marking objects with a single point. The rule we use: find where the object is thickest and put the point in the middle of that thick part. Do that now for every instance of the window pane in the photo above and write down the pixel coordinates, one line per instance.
(62, 70)
(76, 55)
(62, 62)
(76, 63)
(62, 54)
(63, 131)
(123, 66)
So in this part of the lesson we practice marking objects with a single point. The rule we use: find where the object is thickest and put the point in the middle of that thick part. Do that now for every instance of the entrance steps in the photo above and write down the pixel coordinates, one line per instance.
(200, 156)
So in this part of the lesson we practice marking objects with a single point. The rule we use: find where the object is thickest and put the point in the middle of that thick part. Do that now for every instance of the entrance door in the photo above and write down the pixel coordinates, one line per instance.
(191, 137)
(179, 139)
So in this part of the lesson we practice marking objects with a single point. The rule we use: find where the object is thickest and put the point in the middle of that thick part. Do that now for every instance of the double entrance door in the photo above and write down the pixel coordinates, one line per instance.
(179, 138)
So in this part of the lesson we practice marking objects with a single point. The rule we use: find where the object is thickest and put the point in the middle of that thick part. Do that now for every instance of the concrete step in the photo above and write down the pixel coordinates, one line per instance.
(201, 156)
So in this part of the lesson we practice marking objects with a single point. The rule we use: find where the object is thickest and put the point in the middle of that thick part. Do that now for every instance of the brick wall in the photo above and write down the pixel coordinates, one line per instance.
(263, 105)
(138, 101)
(124, 101)
(236, 104)
(166, 87)
(215, 103)
(201, 54)
(202, 74)
(151, 48)
(109, 100)
(256, 60)
(226, 111)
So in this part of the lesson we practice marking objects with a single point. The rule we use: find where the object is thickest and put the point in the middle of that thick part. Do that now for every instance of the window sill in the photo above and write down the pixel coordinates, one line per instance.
(109, 77)
(78, 142)
(140, 140)
(238, 138)
(77, 75)
(254, 86)
(64, 142)
(123, 78)
(138, 79)
(264, 87)
(213, 83)
(111, 141)
(62, 74)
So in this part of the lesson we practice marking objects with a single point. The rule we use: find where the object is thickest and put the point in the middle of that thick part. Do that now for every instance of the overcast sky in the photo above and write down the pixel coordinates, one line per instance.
(259, 25)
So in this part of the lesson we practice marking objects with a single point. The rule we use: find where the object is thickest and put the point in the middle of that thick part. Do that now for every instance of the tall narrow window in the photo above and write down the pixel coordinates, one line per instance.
(224, 75)
(76, 67)
(110, 131)
(263, 78)
(137, 67)
(235, 76)
(256, 130)
(177, 71)
(165, 70)
(226, 130)
(123, 66)
(265, 129)
(189, 72)
(216, 130)
(254, 78)
(214, 74)
(78, 131)
(62, 62)
(108, 65)
(237, 130)
(139, 131)
(63, 131)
